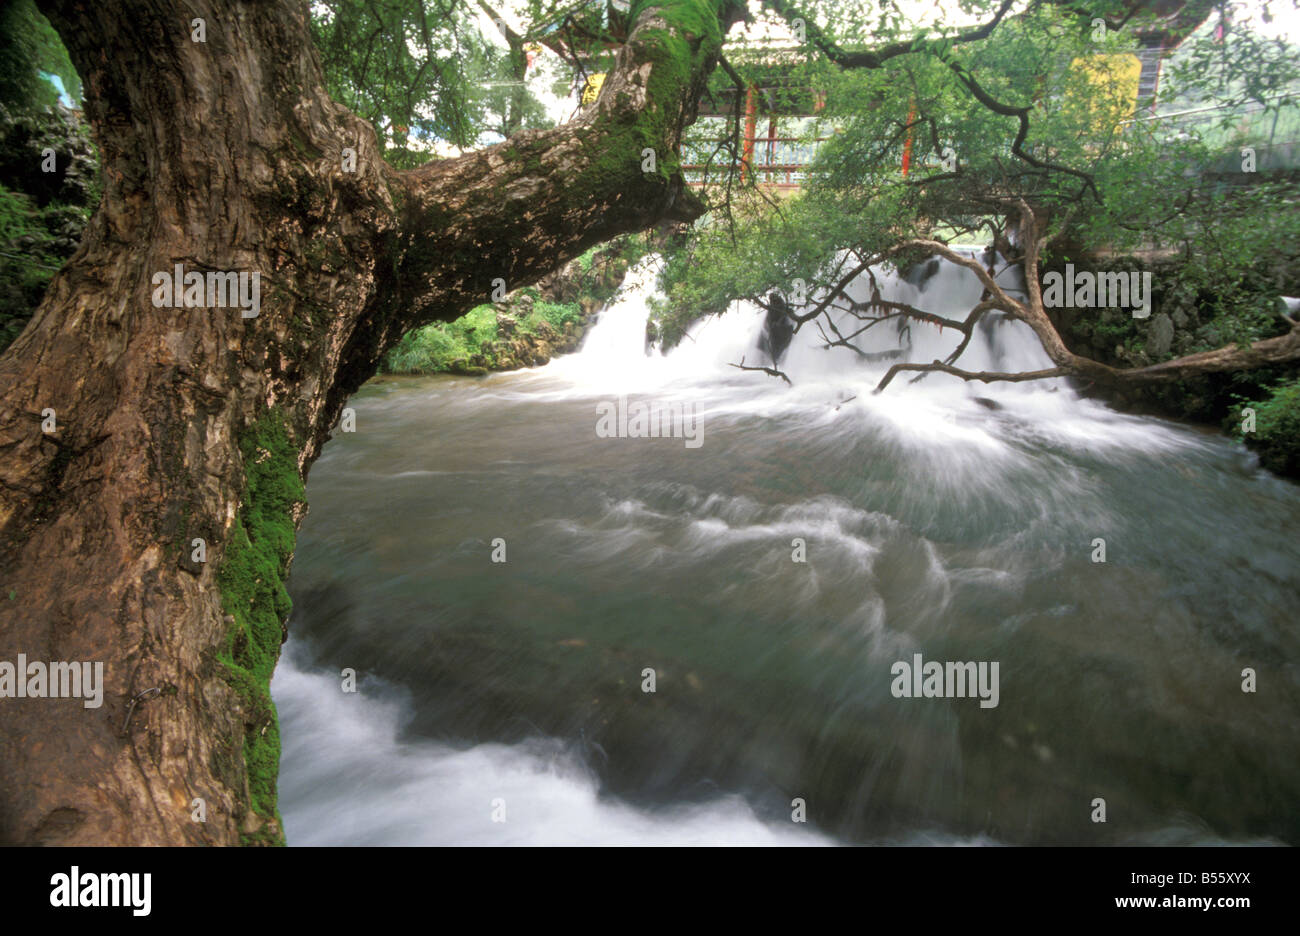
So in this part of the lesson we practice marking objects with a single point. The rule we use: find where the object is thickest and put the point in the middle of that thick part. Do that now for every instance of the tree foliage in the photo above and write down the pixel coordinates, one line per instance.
(423, 71)
(1035, 114)
(397, 64)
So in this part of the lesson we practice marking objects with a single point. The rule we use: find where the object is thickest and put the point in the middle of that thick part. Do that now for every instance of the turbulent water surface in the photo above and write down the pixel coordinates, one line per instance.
(951, 520)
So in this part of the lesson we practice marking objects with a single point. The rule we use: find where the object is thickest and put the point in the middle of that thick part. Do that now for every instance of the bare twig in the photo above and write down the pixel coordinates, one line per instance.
(770, 371)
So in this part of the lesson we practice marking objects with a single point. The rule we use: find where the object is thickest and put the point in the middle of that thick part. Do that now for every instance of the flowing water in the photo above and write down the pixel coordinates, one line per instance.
(957, 521)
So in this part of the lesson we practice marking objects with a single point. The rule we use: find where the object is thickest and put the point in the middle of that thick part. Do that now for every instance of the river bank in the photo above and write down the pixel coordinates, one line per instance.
(527, 327)
(1189, 314)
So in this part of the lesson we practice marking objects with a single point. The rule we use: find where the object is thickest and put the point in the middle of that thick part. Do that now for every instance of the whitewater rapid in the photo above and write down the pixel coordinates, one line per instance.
(940, 513)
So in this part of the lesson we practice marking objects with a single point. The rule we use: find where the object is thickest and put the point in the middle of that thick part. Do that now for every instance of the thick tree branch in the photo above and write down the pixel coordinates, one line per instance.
(512, 212)
(1281, 349)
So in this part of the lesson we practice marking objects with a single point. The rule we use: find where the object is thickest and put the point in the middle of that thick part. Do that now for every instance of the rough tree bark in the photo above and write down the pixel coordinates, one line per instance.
(181, 423)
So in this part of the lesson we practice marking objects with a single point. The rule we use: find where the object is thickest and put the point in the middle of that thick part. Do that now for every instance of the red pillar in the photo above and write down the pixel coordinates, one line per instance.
(751, 112)
(907, 146)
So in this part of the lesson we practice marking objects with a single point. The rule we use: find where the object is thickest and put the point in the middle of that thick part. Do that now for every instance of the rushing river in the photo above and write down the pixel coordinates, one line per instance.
(955, 521)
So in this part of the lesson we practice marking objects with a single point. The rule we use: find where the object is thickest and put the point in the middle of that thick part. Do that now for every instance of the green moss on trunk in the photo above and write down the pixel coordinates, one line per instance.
(253, 595)
(693, 36)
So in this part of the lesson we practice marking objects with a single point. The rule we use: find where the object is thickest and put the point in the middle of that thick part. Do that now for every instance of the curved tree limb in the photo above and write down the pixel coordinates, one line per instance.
(1280, 349)
(985, 376)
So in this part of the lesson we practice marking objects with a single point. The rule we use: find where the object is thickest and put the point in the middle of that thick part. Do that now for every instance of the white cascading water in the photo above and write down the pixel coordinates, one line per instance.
(835, 382)
(614, 352)
(351, 781)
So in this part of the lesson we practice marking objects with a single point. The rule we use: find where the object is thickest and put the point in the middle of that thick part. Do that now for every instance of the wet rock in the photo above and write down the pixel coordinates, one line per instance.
(922, 272)
(1160, 336)
(778, 329)
(466, 369)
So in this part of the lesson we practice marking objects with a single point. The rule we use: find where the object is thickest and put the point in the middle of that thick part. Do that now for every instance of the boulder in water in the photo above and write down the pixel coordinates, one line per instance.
(778, 329)
(921, 273)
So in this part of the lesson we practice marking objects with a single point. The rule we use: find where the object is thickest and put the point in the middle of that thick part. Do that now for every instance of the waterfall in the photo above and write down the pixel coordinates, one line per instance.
(615, 354)
(936, 409)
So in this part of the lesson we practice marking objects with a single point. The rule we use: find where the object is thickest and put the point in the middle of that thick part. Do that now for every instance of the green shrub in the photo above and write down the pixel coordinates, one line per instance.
(1277, 428)
(28, 46)
(34, 242)
(555, 314)
(42, 214)
(432, 349)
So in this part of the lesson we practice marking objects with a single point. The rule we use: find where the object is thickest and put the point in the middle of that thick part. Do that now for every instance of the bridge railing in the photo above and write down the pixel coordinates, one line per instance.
(779, 161)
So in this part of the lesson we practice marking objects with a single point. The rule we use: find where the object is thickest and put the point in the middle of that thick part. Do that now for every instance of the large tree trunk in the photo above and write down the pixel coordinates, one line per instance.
(181, 423)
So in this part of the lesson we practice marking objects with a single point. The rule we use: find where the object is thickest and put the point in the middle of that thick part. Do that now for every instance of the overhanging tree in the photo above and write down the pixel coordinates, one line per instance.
(128, 431)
